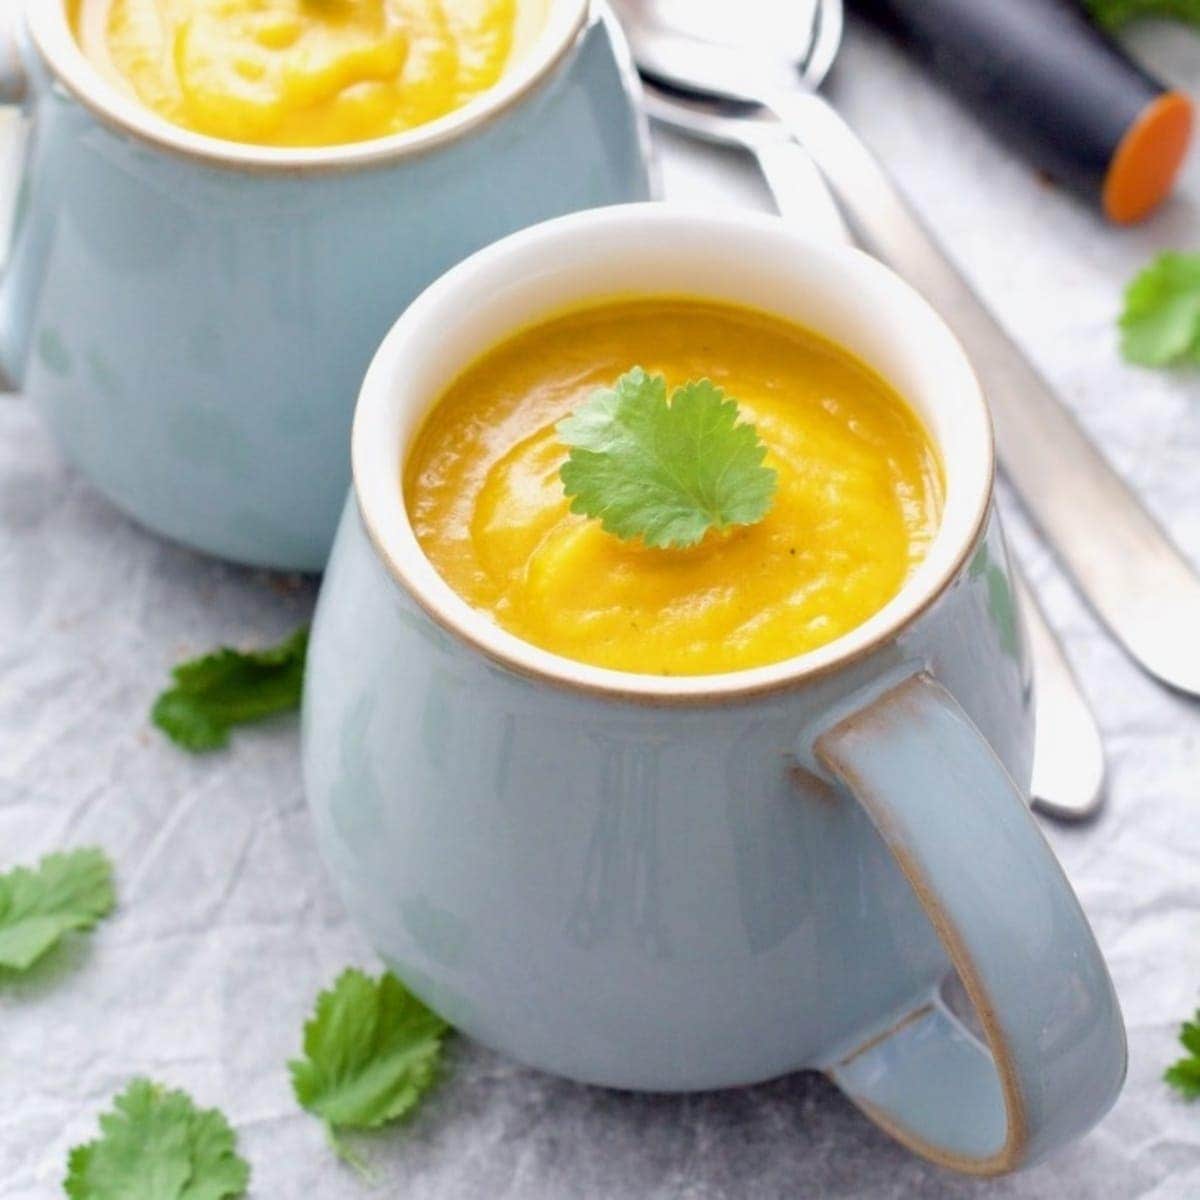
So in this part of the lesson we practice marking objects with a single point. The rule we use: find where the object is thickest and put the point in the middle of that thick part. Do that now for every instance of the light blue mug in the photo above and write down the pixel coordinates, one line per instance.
(194, 316)
(676, 883)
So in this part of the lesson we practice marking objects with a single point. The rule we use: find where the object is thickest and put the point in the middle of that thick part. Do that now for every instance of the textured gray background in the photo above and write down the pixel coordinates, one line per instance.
(227, 927)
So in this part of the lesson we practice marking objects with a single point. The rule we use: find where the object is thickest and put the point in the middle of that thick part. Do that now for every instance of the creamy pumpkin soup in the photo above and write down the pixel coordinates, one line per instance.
(304, 72)
(850, 485)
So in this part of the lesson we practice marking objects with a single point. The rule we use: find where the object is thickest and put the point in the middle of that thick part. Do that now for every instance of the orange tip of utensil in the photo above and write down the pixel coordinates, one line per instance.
(1148, 157)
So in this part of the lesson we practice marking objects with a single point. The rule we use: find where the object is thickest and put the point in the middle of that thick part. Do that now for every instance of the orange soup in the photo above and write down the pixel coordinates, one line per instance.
(857, 502)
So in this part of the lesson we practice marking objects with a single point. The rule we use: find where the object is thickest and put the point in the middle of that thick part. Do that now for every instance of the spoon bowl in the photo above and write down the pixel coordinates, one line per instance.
(710, 46)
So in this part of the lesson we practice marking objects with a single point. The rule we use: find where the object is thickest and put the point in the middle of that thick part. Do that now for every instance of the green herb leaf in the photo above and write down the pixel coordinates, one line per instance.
(1114, 13)
(1184, 1075)
(371, 1051)
(157, 1145)
(230, 687)
(38, 905)
(666, 472)
(1161, 322)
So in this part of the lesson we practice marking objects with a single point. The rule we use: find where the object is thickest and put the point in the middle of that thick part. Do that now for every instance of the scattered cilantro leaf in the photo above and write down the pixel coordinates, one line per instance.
(371, 1051)
(157, 1145)
(230, 687)
(1161, 322)
(1114, 13)
(40, 904)
(666, 472)
(1184, 1075)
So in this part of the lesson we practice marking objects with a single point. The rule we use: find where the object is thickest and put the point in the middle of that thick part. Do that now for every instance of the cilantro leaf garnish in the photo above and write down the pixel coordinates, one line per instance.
(1161, 322)
(1184, 1075)
(371, 1051)
(40, 904)
(230, 687)
(664, 471)
(1114, 13)
(157, 1145)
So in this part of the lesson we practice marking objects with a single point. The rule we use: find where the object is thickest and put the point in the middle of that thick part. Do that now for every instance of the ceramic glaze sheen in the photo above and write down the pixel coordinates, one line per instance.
(856, 504)
(304, 72)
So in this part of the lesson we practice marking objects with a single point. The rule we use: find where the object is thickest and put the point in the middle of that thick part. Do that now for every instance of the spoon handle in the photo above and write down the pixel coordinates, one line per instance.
(798, 188)
(1068, 754)
(1124, 564)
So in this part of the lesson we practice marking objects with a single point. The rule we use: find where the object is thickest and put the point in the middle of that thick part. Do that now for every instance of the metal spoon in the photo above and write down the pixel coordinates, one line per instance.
(771, 55)
(1068, 755)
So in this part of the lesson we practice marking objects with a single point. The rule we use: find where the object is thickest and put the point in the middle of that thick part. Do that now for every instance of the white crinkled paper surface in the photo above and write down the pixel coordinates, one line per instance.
(227, 926)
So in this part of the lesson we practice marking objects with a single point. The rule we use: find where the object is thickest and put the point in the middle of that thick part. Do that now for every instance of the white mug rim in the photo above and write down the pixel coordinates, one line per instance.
(51, 36)
(387, 400)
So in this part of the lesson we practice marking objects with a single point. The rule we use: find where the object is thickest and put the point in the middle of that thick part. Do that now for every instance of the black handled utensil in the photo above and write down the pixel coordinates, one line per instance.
(1056, 88)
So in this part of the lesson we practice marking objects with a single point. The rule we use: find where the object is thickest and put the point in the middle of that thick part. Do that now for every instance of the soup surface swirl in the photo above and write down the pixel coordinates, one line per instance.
(304, 72)
(858, 500)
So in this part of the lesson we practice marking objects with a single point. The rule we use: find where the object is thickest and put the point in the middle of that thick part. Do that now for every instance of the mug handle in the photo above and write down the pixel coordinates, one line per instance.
(1010, 924)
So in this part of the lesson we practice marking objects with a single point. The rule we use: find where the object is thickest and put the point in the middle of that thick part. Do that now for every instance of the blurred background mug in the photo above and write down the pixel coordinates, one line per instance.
(193, 316)
(689, 882)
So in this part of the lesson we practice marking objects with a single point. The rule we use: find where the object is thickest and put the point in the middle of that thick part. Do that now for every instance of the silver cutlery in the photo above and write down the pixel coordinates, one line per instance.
(1068, 754)
(766, 56)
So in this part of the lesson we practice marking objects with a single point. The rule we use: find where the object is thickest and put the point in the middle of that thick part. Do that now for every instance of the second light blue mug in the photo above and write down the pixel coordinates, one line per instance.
(193, 317)
(675, 883)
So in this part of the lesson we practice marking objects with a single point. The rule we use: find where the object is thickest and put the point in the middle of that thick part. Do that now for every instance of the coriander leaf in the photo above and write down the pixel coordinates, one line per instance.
(157, 1145)
(1184, 1075)
(39, 904)
(371, 1051)
(1161, 322)
(1114, 13)
(229, 687)
(666, 472)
